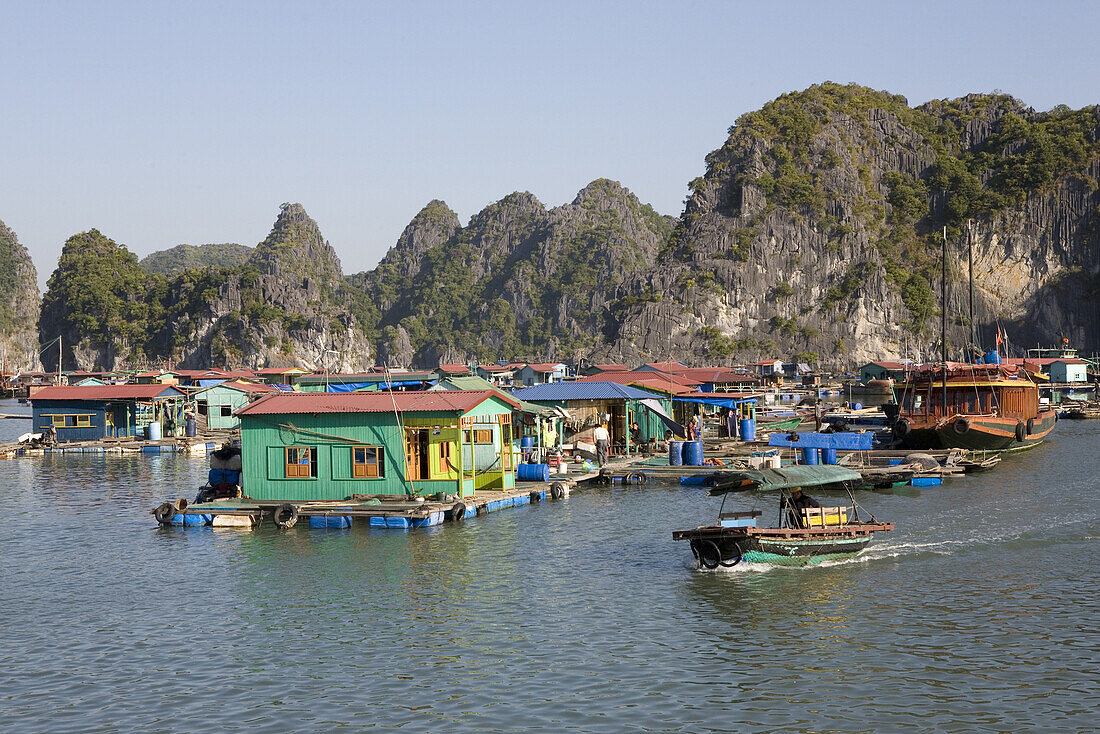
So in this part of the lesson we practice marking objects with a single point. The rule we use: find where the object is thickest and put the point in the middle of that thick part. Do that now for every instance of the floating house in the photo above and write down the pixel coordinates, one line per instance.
(453, 370)
(155, 377)
(588, 404)
(303, 446)
(883, 371)
(1069, 370)
(500, 374)
(280, 375)
(218, 403)
(541, 374)
(594, 369)
(107, 411)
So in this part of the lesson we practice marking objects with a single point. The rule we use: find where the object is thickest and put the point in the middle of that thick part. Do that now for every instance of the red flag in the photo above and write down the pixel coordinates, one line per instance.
(999, 341)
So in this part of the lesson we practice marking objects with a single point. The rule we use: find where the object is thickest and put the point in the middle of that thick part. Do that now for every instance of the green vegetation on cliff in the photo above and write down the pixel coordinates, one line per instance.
(173, 261)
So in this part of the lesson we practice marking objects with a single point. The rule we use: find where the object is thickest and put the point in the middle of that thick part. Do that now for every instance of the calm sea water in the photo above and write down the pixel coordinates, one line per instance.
(978, 614)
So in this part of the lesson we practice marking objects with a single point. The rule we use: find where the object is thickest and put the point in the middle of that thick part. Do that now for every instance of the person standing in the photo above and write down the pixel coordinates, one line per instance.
(603, 441)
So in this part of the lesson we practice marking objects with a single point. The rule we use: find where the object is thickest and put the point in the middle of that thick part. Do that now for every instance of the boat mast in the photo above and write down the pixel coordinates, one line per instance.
(943, 320)
(970, 260)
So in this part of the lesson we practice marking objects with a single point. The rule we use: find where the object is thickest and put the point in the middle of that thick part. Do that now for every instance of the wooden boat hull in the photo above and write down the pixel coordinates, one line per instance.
(980, 433)
(716, 546)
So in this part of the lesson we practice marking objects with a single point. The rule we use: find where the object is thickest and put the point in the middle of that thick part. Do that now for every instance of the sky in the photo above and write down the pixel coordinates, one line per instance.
(165, 123)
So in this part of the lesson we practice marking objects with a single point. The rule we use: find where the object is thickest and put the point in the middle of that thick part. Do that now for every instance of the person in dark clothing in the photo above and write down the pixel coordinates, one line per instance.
(635, 434)
(795, 505)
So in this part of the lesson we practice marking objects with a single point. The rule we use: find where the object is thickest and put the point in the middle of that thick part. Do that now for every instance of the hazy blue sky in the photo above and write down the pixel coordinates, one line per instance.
(162, 123)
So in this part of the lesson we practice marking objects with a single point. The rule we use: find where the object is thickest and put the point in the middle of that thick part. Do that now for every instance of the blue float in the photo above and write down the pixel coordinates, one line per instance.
(330, 521)
(828, 456)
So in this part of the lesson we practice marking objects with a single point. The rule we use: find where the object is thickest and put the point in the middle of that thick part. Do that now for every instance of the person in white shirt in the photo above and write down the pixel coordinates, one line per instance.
(603, 441)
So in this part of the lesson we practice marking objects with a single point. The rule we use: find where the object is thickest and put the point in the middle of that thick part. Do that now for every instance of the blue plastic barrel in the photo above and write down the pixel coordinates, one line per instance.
(533, 473)
(992, 357)
(857, 406)
(527, 442)
(693, 453)
(748, 429)
(154, 431)
(828, 456)
(675, 453)
(809, 457)
(192, 428)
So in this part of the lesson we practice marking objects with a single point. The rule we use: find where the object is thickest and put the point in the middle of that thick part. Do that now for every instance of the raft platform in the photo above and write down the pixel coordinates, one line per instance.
(374, 512)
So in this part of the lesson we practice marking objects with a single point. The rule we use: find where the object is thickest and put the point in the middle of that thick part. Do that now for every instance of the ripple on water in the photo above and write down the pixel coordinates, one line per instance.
(574, 615)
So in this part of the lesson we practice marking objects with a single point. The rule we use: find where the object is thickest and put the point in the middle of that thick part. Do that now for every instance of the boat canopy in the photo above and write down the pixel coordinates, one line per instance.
(783, 478)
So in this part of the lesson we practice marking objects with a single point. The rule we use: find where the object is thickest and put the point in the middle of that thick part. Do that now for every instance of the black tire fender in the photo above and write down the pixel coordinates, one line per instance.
(1021, 431)
(730, 563)
(706, 561)
(164, 512)
(1031, 422)
(458, 511)
(960, 425)
(180, 505)
(636, 477)
(901, 428)
(285, 516)
(535, 496)
(557, 490)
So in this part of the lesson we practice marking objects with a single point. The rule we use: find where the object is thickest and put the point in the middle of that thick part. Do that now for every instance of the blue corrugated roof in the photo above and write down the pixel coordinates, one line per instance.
(581, 391)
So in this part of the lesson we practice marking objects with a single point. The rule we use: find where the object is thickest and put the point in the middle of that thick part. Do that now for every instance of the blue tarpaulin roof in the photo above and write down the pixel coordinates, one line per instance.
(844, 440)
(581, 391)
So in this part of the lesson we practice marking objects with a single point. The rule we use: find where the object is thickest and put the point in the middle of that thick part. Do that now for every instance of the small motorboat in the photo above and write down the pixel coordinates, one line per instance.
(803, 536)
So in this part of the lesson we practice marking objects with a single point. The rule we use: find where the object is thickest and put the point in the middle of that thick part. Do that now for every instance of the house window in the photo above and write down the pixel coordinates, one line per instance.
(58, 420)
(366, 462)
(84, 421)
(301, 462)
(483, 436)
(227, 411)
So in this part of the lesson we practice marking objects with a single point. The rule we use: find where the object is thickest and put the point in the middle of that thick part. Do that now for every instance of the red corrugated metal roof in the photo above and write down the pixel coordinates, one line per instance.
(545, 366)
(455, 401)
(105, 392)
(249, 387)
(634, 376)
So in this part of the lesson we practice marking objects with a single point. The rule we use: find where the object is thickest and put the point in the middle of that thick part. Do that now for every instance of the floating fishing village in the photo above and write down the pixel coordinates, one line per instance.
(404, 449)
(565, 367)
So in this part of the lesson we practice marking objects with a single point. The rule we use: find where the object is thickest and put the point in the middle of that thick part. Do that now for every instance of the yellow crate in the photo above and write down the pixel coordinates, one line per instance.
(819, 517)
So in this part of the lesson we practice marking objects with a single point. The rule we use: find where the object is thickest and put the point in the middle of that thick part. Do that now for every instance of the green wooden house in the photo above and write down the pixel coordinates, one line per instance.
(219, 403)
(328, 446)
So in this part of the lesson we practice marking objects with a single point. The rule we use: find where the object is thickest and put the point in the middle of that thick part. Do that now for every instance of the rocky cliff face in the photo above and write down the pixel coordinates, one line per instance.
(285, 306)
(19, 304)
(815, 232)
(517, 280)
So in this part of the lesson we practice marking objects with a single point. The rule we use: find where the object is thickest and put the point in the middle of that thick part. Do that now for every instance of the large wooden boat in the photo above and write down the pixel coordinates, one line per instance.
(971, 406)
